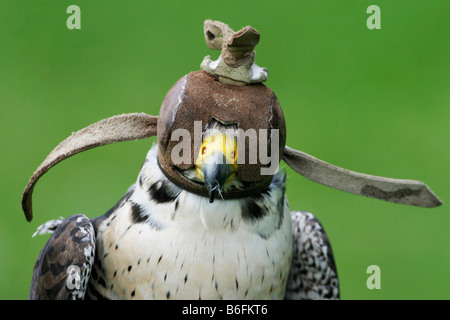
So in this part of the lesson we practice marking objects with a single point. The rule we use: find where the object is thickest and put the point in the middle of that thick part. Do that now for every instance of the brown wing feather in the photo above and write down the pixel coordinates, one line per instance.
(63, 267)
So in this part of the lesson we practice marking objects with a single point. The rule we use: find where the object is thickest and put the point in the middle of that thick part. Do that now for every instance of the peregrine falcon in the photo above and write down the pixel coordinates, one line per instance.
(203, 224)
(162, 242)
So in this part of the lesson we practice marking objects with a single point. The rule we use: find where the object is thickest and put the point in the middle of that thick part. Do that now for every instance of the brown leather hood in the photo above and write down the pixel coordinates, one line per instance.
(199, 96)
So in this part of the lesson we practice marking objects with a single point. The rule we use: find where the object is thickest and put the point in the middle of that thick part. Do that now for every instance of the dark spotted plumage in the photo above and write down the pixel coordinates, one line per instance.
(137, 213)
(251, 210)
(63, 267)
(255, 207)
(163, 191)
(313, 273)
(161, 242)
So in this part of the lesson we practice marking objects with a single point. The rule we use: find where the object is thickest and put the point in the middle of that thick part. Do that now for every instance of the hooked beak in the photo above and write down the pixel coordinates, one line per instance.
(216, 163)
(216, 172)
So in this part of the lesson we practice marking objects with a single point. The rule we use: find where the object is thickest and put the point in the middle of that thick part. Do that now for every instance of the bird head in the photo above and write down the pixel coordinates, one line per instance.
(216, 162)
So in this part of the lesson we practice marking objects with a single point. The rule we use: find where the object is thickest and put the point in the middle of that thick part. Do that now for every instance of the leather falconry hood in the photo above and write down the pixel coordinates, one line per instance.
(228, 90)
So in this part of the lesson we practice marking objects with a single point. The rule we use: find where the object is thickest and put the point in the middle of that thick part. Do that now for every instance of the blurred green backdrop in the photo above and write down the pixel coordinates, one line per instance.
(374, 101)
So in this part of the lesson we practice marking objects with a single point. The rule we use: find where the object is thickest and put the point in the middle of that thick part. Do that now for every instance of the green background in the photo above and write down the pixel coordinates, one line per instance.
(373, 101)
